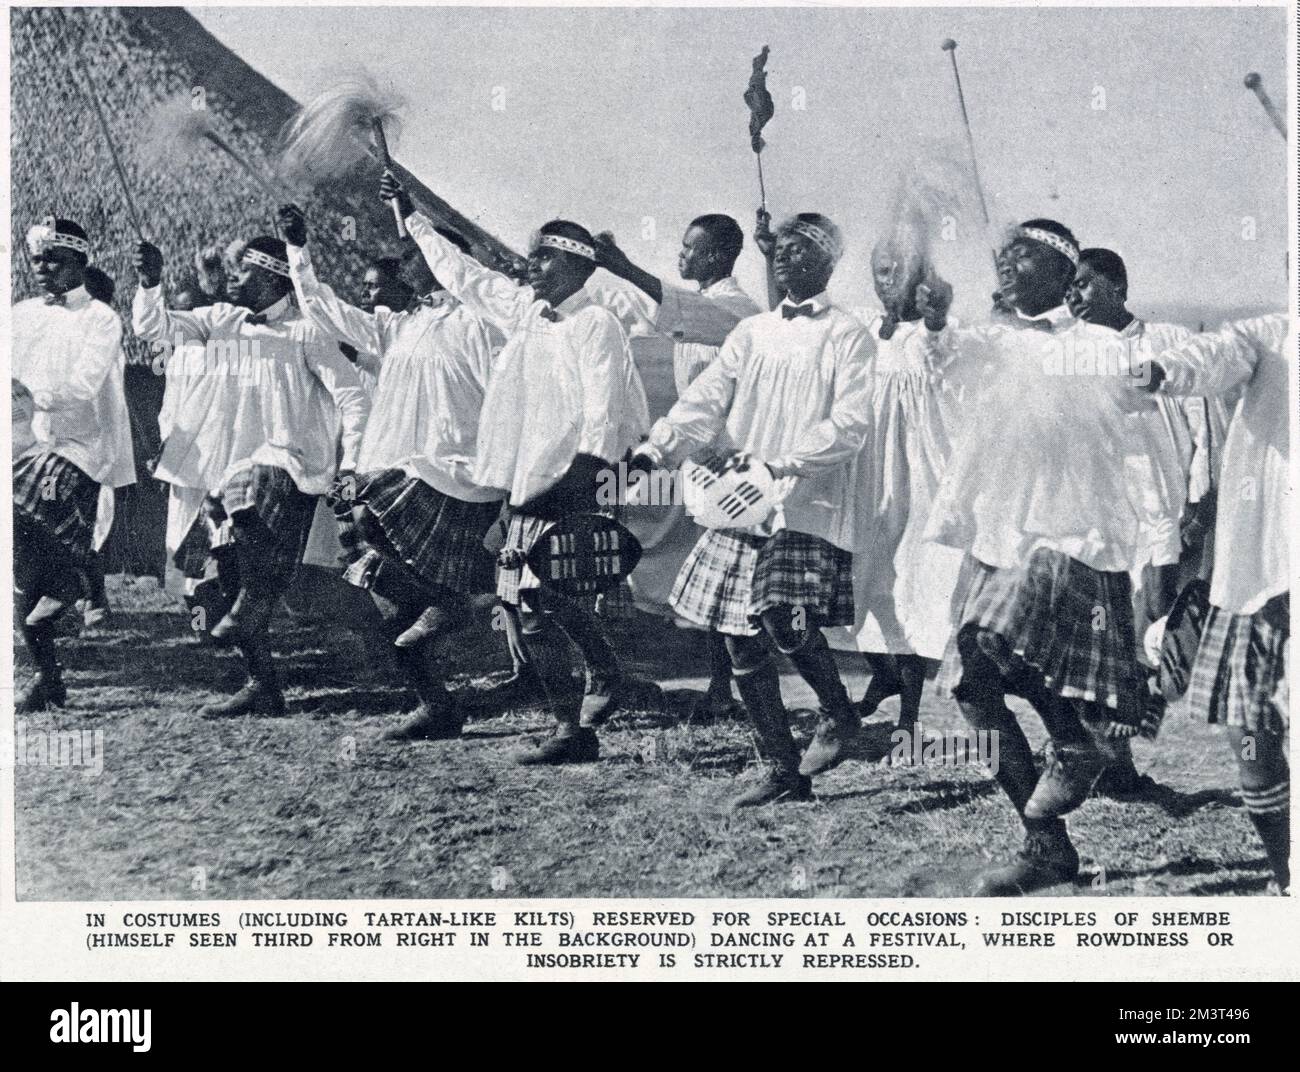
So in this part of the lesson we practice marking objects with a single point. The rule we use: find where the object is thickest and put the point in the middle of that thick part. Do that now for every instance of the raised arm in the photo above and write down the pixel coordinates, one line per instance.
(150, 318)
(318, 301)
(495, 297)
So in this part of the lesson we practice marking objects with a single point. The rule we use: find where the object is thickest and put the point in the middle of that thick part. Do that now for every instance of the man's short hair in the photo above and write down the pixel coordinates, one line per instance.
(1107, 263)
(388, 267)
(725, 233)
(575, 231)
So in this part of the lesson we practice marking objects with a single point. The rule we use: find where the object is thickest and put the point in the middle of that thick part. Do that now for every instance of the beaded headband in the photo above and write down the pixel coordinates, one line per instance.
(263, 260)
(45, 235)
(819, 236)
(568, 245)
(1062, 245)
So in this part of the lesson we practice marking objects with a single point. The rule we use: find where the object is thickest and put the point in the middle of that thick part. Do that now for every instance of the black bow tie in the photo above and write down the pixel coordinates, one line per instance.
(427, 301)
(56, 299)
(255, 318)
(547, 313)
(791, 311)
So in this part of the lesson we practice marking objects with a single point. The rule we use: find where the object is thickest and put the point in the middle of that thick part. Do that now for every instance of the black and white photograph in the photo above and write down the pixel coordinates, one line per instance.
(815, 453)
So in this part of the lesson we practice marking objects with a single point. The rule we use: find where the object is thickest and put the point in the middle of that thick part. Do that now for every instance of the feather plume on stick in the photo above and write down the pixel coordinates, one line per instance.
(338, 129)
(178, 131)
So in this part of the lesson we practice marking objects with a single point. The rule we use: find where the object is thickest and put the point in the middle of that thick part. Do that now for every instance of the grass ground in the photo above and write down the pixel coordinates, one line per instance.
(315, 805)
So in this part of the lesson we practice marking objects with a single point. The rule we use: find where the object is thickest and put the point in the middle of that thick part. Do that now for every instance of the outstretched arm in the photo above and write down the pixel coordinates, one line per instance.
(318, 301)
(495, 297)
(150, 318)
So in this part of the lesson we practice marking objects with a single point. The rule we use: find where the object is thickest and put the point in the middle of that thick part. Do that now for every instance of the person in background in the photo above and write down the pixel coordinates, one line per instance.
(1239, 678)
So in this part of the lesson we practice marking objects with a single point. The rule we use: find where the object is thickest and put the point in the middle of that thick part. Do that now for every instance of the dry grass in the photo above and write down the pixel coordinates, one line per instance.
(315, 805)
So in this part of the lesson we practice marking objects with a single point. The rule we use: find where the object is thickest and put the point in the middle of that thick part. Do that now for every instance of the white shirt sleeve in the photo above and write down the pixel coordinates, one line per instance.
(601, 372)
(699, 415)
(361, 330)
(497, 298)
(153, 321)
(340, 379)
(1209, 364)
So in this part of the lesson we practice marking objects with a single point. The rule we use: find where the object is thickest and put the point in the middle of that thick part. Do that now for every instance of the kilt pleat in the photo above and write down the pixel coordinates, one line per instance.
(730, 578)
(437, 537)
(57, 500)
(286, 513)
(1058, 618)
(1239, 677)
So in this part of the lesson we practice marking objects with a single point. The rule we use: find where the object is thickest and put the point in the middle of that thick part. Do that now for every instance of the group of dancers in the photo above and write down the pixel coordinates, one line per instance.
(982, 499)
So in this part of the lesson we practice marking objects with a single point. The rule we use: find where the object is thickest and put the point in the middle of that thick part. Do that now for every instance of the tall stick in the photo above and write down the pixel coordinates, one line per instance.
(87, 87)
(950, 47)
(762, 192)
(381, 143)
(1255, 83)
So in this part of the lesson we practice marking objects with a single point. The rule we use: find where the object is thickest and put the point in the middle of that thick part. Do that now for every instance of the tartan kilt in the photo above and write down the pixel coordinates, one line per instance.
(1055, 618)
(436, 536)
(269, 492)
(55, 500)
(731, 577)
(1240, 667)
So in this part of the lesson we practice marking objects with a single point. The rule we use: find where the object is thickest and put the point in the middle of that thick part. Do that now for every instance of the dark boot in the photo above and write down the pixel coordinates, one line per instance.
(40, 694)
(46, 689)
(261, 695)
(429, 724)
(548, 652)
(437, 718)
(839, 723)
(760, 691)
(884, 683)
(1047, 858)
(1066, 781)
(1121, 780)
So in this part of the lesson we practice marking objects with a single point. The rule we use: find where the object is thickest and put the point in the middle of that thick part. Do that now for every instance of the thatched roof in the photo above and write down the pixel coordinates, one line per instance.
(137, 58)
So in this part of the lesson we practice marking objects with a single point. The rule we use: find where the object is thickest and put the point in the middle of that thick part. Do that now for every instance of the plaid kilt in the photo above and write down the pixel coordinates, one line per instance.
(1057, 618)
(269, 492)
(1241, 665)
(731, 577)
(55, 500)
(437, 537)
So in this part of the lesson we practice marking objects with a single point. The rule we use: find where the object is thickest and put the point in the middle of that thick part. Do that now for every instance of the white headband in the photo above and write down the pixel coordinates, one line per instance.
(819, 236)
(569, 245)
(1062, 245)
(262, 260)
(44, 235)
